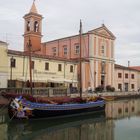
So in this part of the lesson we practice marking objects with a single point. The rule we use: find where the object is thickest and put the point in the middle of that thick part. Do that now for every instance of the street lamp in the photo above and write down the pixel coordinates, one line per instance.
(11, 65)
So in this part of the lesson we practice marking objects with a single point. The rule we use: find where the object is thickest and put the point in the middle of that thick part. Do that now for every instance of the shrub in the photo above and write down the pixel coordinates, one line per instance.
(99, 88)
(109, 88)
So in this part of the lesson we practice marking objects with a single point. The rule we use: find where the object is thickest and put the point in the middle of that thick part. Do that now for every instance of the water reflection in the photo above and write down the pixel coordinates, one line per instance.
(88, 127)
(122, 109)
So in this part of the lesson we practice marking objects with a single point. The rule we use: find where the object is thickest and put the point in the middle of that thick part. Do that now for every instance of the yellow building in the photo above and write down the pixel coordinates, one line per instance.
(3, 64)
(46, 71)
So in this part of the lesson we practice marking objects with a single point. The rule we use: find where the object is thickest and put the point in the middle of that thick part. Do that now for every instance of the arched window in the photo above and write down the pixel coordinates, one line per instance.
(28, 25)
(36, 26)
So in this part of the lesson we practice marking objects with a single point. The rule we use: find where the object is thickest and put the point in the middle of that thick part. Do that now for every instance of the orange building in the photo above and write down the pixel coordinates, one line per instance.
(97, 50)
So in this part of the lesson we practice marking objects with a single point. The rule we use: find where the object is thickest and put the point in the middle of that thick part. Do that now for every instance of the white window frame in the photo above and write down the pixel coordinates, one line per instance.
(65, 50)
(77, 49)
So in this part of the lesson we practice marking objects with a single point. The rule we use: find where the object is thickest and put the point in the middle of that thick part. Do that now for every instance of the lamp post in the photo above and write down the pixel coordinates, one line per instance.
(11, 66)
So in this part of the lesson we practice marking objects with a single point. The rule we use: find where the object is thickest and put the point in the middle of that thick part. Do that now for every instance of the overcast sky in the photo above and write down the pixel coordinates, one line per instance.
(61, 19)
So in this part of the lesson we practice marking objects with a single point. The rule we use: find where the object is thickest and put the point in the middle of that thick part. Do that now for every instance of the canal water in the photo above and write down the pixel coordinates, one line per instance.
(120, 121)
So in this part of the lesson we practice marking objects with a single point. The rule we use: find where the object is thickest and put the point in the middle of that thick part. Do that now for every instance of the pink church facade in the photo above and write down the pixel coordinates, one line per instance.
(97, 47)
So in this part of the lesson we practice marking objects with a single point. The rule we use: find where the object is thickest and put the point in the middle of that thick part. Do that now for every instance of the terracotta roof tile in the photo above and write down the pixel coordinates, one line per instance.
(41, 56)
(125, 68)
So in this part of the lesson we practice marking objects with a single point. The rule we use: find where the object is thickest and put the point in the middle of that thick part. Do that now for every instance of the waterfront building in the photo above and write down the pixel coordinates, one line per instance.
(97, 48)
(46, 71)
(138, 69)
(126, 78)
(3, 64)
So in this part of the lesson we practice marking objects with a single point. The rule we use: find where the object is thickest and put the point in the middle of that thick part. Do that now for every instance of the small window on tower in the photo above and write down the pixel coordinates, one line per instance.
(36, 26)
(28, 25)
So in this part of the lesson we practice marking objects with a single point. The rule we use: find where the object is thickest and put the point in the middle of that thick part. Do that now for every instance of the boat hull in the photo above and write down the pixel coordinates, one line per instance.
(49, 111)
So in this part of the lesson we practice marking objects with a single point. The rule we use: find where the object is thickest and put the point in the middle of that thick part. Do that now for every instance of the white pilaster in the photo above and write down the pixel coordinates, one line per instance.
(83, 77)
(109, 74)
(91, 74)
(97, 46)
(96, 84)
(91, 45)
(113, 75)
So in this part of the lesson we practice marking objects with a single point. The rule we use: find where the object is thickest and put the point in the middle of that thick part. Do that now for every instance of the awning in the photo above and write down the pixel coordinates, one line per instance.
(61, 80)
(45, 80)
(40, 79)
(55, 80)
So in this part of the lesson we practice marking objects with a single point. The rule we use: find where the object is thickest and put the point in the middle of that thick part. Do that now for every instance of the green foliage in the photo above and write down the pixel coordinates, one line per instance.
(110, 88)
(99, 89)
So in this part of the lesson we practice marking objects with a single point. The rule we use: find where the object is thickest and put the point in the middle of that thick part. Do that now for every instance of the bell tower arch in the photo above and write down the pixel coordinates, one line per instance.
(33, 29)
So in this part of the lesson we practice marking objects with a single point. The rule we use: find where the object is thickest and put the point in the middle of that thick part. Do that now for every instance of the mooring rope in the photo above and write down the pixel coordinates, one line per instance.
(13, 116)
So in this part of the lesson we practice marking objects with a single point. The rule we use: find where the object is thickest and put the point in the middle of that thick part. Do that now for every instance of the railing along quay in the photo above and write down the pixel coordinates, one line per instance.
(37, 91)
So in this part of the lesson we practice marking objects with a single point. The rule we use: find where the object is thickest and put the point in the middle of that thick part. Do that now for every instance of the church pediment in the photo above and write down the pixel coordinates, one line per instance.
(103, 31)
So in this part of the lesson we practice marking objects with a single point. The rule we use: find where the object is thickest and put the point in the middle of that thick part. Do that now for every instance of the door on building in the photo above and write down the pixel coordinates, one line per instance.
(103, 80)
(126, 86)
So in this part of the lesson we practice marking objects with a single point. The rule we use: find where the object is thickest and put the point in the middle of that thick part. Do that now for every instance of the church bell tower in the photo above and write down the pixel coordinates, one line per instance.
(33, 29)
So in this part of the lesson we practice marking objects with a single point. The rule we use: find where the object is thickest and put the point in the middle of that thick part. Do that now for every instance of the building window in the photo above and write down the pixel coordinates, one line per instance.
(59, 67)
(132, 86)
(77, 49)
(71, 68)
(103, 50)
(120, 87)
(36, 26)
(47, 66)
(120, 111)
(103, 67)
(32, 64)
(126, 75)
(28, 26)
(119, 75)
(133, 109)
(65, 50)
(54, 51)
(126, 110)
(13, 62)
(132, 76)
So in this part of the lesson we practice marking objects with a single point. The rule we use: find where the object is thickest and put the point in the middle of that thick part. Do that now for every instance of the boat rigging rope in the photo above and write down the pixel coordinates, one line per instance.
(13, 116)
(26, 73)
(3, 107)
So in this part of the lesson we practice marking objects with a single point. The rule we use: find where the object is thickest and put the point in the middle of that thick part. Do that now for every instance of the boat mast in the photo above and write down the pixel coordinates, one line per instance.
(30, 66)
(80, 47)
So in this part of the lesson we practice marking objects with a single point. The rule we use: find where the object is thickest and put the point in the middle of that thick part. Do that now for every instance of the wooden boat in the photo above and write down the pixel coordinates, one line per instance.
(109, 98)
(21, 108)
